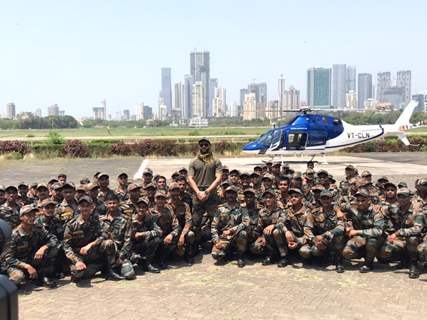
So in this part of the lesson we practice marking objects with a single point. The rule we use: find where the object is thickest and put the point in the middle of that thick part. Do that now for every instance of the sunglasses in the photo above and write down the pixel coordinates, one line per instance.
(203, 145)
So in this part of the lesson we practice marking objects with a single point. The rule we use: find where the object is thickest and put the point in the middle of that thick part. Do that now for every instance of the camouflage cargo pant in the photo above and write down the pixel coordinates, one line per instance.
(97, 258)
(265, 244)
(333, 246)
(44, 267)
(399, 248)
(146, 248)
(422, 251)
(282, 243)
(225, 243)
(358, 247)
(188, 248)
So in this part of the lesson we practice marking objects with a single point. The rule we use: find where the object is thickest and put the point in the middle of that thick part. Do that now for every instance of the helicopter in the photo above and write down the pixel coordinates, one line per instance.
(312, 134)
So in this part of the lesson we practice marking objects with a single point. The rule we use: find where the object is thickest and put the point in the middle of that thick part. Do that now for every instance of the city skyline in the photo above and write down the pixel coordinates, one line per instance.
(106, 53)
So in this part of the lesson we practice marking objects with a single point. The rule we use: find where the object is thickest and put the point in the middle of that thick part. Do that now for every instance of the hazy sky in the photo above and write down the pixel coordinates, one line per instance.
(76, 53)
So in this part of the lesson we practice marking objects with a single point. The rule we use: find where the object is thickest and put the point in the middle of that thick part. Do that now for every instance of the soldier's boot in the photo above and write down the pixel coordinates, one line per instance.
(127, 270)
(147, 266)
(339, 265)
(367, 266)
(283, 262)
(241, 262)
(109, 273)
(403, 263)
(49, 282)
(414, 273)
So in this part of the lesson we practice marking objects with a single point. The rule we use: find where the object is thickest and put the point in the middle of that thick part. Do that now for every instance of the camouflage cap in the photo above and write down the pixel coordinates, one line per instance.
(225, 168)
(11, 187)
(175, 174)
(322, 172)
(331, 178)
(318, 187)
(52, 181)
(268, 192)
(232, 189)
(57, 186)
(103, 174)
(122, 174)
(295, 191)
(85, 199)
(85, 181)
(362, 193)
(69, 185)
(174, 186)
(249, 190)
(366, 173)
(268, 176)
(147, 171)
(150, 185)
(245, 175)
(160, 195)
(225, 183)
(326, 193)
(205, 139)
(42, 186)
(389, 184)
(133, 186)
(47, 202)
(350, 167)
(421, 182)
(142, 199)
(182, 169)
(92, 186)
(235, 172)
(383, 178)
(402, 184)
(27, 209)
(404, 192)
(22, 184)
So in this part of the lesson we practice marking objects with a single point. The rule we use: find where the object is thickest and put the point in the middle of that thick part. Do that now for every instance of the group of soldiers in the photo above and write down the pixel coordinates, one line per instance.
(271, 213)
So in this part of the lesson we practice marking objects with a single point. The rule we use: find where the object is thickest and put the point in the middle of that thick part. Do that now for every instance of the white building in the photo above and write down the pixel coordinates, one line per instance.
(351, 100)
(219, 102)
(197, 102)
(250, 107)
(292, 99)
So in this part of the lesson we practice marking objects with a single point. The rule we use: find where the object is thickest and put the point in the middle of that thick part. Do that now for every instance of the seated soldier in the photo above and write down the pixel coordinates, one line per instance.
(31, 251)
(182, 211)
(403, 231)
(9, 210)
(130, 206)
(115, 224)
(122, 188)
(365, 225)
(420, 209)
(2, 195)
(267, 220)
(294, 227)
(328, 231)
(143, 237)
(87, 246)
(228, 231)
(250, 217)
(68, 208)
(168, 223)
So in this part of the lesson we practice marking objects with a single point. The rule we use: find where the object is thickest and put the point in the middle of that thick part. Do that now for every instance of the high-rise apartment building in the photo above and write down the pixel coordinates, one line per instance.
(213, 84)
(364, 89)
(250, 107)
(350, 79)
(187, 97)
(166, 92)
(219, 102)
(292, 99)
(383, 82)
(260, 91)
(281, 90)
(339, 85)
(200, 71)
(198, 95)
(403, 80)
(319, 87)
(10, 110)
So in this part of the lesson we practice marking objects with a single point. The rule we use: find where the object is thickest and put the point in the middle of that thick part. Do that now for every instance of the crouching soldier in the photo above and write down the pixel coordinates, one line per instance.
(228, 231)
(250, 217)
(403, 234)
(294, 227)
(364, 227)
(143, 237)
(268, 218)
(328, 230)
(31, 251)
(87, 246)
(168, 223)
(115, 224)
(420, 209)
(182, 212)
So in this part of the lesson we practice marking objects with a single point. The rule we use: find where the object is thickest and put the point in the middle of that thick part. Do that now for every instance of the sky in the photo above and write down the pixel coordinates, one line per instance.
(78, 52)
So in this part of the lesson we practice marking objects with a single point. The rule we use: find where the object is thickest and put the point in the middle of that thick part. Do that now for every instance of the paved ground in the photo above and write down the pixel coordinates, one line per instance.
(211, 292)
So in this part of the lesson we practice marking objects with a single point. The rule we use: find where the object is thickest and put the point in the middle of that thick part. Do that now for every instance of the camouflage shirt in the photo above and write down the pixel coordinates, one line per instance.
(371, 222)
(299, 223)
(52, 225)
(10, 215)
(250, 218)
(268, 217)
(182, 212)
(326, 223)
(115, 227)
(227, 217)
(167, 221)
(67, 210)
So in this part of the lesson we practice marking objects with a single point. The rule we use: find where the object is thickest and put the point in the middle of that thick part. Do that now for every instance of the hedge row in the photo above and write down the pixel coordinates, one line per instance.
(148, 147)
(99, 148)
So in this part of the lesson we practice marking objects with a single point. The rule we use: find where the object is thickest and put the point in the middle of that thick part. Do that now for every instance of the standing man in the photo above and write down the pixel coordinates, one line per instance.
(204, 176)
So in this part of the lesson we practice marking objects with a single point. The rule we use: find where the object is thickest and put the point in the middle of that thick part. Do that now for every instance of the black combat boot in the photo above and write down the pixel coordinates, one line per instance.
(339, 266)
(109, 274)
(267, 261)
(414, 273)
(367, 266)
(49, 282)
(283, 262)
(241, 262)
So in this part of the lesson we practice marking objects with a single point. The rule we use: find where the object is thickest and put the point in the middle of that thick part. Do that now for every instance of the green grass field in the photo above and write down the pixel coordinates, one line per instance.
(133, 132)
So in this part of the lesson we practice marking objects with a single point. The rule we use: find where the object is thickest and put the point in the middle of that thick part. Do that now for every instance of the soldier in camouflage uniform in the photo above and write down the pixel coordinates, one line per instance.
(9, 211)
(168, 223)
(115, 225)
(87, 246)
(56, 192)
(23, 194)
(294, 226)
(403, 234)
(149, 192)
(143, 237)
(365, 226)
(93, 191)
(184, 191)
(104, 190)
(283, 188)
(122, 188)
(420, 209)
(268, 218)
(42, 193)
(182, 211)
(2, 195)
(67, 210)
(250, 217)
(129, 206)
(228, 230)
(31, 251)
(328, 231)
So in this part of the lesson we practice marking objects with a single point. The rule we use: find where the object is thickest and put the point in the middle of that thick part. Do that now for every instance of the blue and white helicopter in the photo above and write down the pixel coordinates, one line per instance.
(312, 134)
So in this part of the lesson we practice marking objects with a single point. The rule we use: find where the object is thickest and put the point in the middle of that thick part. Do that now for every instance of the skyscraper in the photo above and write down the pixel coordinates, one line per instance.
(350, 79)
(178, 96)
(403, 80)
(10, 110)
(319, 87)
(140, 111)
(198, 94)
(260, 91)
(220, 102)
(383, 82)
(292, 98)
(187, 97)
(213, 84)
(281, 93)
(200, 71)
(250, 106)
(242, 96)
(166, 92)
(339, 77)
(364, 89)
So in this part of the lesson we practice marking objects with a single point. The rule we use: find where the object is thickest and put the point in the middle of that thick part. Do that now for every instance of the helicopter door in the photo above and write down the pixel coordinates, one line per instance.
(296, 140)
(277, 140)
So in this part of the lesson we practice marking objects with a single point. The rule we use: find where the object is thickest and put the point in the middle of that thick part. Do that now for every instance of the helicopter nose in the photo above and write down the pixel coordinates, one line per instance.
(251, 147)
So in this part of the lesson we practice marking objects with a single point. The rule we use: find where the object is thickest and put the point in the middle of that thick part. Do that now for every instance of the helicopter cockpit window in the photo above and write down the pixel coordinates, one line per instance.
(336, 121)
(301, 120)
(266, 138)
(297, 141)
